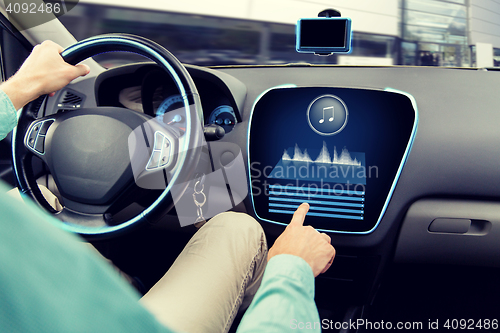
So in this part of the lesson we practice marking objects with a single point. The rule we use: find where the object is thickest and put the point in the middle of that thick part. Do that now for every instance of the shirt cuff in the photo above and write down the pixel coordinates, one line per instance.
(8, 115)
(293, 267)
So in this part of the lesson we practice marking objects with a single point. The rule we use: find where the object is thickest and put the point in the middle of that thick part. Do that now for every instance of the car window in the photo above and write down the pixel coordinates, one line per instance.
(405, 32)
(13, 51)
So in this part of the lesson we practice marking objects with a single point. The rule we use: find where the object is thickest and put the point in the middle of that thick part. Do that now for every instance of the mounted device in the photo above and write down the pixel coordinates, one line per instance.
(327, 34)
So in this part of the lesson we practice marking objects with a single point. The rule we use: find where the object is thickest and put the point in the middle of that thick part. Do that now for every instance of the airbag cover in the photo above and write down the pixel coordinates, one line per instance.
(89, 157)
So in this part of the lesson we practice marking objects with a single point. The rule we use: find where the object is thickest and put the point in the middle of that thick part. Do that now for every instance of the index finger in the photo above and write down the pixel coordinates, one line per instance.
(300, 214)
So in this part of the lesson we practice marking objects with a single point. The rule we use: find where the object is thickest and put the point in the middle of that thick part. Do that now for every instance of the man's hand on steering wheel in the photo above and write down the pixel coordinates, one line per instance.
(43, 72)
(99, 156)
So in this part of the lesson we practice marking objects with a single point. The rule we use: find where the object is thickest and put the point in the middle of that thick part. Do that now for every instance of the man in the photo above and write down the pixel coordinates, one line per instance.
(51, 282)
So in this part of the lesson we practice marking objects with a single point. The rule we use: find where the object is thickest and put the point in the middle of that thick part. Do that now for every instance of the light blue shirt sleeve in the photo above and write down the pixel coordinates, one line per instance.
(51, 282)
(285, 299)
(8, 115)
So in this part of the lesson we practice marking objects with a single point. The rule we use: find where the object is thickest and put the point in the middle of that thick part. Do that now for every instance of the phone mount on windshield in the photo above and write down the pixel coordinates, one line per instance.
(324, 35)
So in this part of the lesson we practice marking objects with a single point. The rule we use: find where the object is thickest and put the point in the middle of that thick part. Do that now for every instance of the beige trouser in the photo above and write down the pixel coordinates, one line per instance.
(218, 271)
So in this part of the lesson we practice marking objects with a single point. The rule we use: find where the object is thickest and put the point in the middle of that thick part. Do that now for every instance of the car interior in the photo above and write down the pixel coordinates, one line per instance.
(400, 165)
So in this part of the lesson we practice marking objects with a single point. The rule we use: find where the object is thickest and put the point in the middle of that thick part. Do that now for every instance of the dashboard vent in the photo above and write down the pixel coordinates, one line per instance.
(70, 100)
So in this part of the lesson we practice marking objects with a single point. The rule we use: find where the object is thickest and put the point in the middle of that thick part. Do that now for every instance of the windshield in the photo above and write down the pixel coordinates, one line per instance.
(227, 32)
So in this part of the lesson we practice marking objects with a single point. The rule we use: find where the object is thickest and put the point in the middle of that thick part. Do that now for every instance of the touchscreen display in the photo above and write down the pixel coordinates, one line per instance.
(340, 193)
(341, 150)
(323, 33)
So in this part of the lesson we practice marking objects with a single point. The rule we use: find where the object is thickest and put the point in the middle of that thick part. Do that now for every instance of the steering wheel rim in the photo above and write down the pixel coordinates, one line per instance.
(188, 154)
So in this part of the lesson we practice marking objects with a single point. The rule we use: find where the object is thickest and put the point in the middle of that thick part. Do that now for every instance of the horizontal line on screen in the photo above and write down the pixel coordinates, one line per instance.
(331, 197)
(318, 202)
(339, 216)
(326, 209)
(317, 190)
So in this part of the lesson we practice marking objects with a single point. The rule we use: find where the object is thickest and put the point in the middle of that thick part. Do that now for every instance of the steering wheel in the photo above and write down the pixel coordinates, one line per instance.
(100, 156)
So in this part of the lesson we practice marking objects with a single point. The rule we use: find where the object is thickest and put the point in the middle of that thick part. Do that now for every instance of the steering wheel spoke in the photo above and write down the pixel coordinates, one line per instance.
(35, 137)
(82, 220)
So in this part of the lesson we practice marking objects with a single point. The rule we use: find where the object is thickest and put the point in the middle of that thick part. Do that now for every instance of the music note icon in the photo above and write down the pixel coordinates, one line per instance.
(321, 121)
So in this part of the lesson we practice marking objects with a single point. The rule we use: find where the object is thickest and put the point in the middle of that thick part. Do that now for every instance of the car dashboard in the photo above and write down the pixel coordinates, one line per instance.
(430, 134)
(146, 88)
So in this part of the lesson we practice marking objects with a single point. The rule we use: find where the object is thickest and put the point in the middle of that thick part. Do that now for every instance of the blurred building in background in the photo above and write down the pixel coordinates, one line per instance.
(484, 32)
(226, 32)
(434, 33)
